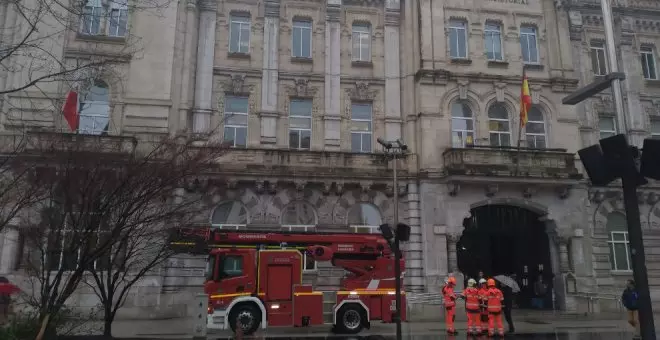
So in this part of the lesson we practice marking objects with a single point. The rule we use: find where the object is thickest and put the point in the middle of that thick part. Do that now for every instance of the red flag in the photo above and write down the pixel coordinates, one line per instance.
(70, 110)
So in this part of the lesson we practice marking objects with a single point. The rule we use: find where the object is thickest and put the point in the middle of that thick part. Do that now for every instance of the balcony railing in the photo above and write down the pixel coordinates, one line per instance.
(508, 162)
(312, 163)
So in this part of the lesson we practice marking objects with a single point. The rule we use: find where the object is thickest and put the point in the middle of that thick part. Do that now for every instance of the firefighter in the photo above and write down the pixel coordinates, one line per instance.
(483, 304)
(471, 296)
(449, 300)
(495, 298)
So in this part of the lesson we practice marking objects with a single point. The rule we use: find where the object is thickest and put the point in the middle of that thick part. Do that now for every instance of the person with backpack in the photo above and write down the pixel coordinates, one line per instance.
(630, 299)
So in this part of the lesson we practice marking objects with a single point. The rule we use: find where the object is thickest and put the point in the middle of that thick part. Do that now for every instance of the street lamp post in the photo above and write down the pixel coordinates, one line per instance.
(393, 151)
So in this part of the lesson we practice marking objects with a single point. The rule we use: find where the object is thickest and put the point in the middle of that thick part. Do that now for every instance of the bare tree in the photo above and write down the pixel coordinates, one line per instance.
(101, 197)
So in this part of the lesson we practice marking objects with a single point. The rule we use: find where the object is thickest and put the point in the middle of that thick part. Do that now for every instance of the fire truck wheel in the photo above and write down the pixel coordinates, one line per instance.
(350, 319)
(247, 316)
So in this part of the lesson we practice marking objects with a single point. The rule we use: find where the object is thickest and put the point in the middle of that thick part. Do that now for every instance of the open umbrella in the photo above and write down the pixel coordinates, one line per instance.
(509, 282)
(8, 288)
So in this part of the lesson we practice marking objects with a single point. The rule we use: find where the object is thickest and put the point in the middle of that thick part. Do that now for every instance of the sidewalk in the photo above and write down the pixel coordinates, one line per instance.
(534, 322)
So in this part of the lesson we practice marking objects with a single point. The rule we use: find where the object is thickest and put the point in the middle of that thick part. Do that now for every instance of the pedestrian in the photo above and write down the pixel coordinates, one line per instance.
(495, 298)
(483, 304)
(449, 300)
(508, 305)
(630, 299)
(540, 291)
(471, 295)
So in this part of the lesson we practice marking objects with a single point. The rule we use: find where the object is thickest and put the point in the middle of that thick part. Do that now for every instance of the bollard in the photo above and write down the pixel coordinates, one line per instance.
(200, 316)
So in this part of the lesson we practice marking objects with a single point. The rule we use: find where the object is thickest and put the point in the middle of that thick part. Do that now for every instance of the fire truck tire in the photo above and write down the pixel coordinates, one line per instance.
(248, 315)
(351, 318)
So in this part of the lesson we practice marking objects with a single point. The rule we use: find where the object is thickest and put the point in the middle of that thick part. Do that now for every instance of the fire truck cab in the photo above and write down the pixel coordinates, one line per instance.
(255, 280)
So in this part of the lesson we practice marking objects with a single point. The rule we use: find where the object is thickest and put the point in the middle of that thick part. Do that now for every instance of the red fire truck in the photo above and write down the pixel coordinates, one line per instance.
(254, 279)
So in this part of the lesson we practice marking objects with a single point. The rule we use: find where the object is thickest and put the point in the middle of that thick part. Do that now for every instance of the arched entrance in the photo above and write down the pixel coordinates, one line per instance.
(506, 239)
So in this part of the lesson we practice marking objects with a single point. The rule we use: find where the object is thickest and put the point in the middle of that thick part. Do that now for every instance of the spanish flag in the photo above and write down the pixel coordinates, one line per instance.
(525, 100)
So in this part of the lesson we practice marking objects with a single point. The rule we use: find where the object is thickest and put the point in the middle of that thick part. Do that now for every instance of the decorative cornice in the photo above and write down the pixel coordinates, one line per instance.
(301, 89)
(333, 10)
(392, 17)
(361, 92)
(207, 5)
(272, 8)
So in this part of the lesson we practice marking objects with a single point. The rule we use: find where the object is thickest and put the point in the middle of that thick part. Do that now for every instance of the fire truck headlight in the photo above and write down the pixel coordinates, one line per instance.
(275, 306)
(353, 293)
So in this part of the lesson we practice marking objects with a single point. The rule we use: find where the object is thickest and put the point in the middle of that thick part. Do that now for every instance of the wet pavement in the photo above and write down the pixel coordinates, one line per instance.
(528, 336)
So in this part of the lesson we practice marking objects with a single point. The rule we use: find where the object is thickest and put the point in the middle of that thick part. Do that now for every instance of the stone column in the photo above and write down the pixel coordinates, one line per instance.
(452, 256)
(332, 76)
(8, 248)
(564, 264)
(188, 64)
(633, 83)
(392, 73)
(204, 69)
(577, 253)
(270, 73)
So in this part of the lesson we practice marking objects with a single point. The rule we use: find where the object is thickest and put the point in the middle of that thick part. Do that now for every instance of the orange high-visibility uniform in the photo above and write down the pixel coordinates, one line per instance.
(483, 304)
(495, 298)
(472, 308)
(449, 300)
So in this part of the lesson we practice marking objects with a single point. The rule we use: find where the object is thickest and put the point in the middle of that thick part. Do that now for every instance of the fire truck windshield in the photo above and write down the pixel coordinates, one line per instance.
(210, 265)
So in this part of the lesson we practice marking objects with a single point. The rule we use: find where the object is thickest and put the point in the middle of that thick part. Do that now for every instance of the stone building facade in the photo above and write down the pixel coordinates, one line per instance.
(301, 90)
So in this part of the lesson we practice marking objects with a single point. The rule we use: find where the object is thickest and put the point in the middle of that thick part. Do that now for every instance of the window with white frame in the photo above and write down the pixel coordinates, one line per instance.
(462, 125)
(606, 126)
(498, 125)
(648, 62)
(230, 215)
(301, 46)
(300, 124)
(361, 42)
(655, 128)
(458, 47)
(364, 218)
(94, 117)
(100, 19)
(361, 127)
(301, 216)
(493, 40)
(529, 45)
(617, 229)
(73, 243)
(598, 59)
(535, 133)
(118, 19)
(239, 33)
(236, 121)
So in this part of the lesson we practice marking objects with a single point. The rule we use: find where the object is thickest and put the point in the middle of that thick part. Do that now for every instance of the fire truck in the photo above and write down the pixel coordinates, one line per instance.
(254, 278)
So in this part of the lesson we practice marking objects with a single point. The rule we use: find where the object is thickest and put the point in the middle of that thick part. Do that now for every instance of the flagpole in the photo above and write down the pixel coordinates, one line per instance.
(520, 121)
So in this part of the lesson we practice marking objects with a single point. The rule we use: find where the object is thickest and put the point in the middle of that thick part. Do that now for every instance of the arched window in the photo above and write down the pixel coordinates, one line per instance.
(95, 110)
(300, 216)
(364, 218)
(535, 129)
(462, 125)
(498, 125)
(230, 215)
(617, 228)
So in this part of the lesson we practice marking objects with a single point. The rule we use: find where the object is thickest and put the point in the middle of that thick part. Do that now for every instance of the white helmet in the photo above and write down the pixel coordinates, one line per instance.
(482, 281)
(472, 282)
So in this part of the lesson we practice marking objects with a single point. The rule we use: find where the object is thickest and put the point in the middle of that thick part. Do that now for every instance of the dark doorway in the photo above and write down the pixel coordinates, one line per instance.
(506, 240)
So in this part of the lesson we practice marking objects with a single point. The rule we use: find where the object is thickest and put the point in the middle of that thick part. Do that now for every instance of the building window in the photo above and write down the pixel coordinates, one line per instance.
(361, 127)
(300, 216)
(91, 18)
(458, 47)
(361, 42)
(229, 215)
(498, 125)
(607, 126)
(118, 19)
(364, 218)
(239, 34)
(95, 110)
(232, 266)
(529, 45)
(462, 125)
(655, 128)
(66, 246)
(648, 62)
(617, 228)
(598, 60)
(236, 121)
(535, 129)
(302, 39)
(300, 124)
(493, 39)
